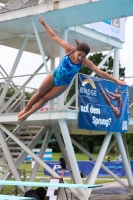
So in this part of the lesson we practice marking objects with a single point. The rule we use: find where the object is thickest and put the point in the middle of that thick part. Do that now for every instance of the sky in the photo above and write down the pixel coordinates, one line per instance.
(33, 61)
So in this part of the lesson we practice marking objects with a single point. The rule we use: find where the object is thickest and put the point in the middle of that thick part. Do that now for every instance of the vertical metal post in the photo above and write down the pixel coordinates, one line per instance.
(124, 158)
(13, 69)
(52, 63)
(40, 45)
(41, 153)
(23, 102)
(9, 159)
(99, 160)
(52, 66)
(76, 88)
(62, 53)
(126, 147)
(116, 64)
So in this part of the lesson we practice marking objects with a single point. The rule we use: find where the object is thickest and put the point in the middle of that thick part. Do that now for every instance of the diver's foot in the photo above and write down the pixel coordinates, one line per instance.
(23, 117)
(21, 113)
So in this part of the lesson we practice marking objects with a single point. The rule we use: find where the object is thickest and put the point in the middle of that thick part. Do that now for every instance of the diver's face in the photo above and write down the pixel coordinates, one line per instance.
(79, 55)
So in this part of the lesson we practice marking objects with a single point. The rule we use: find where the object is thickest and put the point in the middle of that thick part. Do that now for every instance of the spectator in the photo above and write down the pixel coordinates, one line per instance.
(108, 157)
(90, 159)
(118, 157)
(63, 165)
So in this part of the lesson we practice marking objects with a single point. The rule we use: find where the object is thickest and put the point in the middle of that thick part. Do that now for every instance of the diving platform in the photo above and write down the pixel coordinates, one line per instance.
(68, 13)
(51, 119)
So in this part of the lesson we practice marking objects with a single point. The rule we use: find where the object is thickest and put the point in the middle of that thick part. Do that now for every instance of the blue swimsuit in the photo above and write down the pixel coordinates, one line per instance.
(66, 70)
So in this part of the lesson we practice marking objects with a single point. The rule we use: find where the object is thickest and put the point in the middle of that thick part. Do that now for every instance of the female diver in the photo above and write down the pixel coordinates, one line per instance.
(58, 80)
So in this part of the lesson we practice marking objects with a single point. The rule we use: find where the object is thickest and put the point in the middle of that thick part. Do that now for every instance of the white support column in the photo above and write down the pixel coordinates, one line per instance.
(10, 159)
(23, 101)
(52, 63)
(40, 45)
(126, 147)
(76, 88)
(71, 156)
(124, 158)
(52, 67)
(104, 60)
(116, 64)
(99, 160)
(14, 67)
(41, 153)
(60, 102)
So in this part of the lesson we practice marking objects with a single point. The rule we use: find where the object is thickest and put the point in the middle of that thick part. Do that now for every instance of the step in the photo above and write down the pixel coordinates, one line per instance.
(25, 137)
(12, 143)
(15, 148)
(3, 165)
(3, 171)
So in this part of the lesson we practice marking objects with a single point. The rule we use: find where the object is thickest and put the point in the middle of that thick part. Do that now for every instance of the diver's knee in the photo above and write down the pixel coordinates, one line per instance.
(40, 93)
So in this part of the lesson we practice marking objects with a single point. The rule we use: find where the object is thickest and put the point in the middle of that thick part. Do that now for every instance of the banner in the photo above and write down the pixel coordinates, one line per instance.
(87, 166)
(56, 167)
(114, 28)
(103, 105)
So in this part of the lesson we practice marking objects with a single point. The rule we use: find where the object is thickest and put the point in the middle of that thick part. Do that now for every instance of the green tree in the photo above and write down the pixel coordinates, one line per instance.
(107, 67)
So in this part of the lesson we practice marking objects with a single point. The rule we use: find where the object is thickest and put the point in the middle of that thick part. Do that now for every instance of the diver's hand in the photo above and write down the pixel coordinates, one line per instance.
(119, 82)
(41, 20)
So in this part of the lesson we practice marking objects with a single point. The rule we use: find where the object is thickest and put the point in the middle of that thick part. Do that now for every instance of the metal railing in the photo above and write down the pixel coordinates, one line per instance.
(19, 101)
(9, 5)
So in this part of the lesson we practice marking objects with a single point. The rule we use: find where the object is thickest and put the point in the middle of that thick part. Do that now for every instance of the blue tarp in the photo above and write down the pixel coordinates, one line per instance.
(86, 167)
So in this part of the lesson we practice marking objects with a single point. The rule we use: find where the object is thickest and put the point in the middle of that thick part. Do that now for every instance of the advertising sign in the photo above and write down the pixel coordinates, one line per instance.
(114, 28)
(86, 168)
(103, 105)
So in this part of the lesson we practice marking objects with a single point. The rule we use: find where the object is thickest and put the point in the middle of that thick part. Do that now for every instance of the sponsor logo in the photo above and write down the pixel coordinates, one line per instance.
(88, 91)
(86, 81)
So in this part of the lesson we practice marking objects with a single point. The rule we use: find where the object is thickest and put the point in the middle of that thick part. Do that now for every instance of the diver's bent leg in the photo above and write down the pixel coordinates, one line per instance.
(51, 94)
(45, 86)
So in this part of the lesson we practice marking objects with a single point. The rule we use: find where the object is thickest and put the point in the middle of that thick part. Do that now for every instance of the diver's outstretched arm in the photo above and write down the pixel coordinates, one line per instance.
(101, 73)
(68, 48)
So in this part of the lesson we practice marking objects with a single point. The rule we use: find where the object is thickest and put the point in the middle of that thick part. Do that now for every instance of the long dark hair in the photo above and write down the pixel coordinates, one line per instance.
(82, 47)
